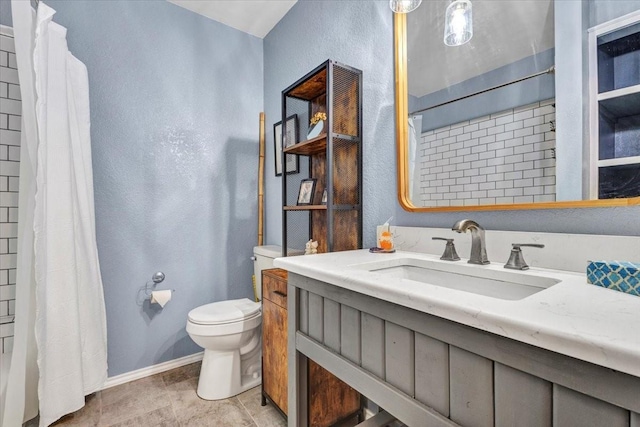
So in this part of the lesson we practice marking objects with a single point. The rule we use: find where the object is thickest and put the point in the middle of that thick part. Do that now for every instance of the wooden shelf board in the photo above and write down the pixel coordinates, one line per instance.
(621, 161)
(306, 208)
(312, 88)
(310, 146)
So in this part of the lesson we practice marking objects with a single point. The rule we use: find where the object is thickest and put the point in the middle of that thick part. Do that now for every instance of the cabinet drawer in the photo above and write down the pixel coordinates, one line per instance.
(274, 286)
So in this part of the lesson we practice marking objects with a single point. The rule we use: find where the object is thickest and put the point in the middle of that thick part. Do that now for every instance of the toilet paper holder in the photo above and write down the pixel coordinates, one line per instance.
(157, 277)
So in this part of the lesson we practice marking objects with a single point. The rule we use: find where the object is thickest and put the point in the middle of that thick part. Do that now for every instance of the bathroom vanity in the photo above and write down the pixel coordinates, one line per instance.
(438, 343)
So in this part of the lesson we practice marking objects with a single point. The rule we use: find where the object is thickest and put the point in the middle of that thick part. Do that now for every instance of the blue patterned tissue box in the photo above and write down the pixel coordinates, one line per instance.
(620, 276)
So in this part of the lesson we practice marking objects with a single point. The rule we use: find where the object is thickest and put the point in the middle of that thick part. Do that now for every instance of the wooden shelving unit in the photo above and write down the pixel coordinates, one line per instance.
(333, 159)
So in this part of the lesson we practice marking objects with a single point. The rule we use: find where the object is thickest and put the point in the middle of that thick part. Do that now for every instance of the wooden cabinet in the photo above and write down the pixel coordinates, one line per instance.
(329, 153)
(614, 56)
(330, 400)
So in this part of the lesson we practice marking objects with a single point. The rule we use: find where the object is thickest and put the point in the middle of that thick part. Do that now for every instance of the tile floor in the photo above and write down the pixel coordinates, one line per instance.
(169, 399)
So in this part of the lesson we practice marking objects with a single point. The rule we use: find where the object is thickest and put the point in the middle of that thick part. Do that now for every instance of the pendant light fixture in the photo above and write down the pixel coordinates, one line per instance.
(404, 6)
(458, 25)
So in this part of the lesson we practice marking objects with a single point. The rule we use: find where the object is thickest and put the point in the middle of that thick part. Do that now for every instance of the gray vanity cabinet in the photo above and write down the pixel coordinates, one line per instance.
(428, 371)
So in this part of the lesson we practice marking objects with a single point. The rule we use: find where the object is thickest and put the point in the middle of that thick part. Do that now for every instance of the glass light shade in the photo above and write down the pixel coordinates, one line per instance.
(458, 25)
(404, 6)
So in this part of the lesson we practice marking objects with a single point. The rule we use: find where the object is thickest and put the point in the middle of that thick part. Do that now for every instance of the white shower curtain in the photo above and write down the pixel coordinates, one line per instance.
(60, 313)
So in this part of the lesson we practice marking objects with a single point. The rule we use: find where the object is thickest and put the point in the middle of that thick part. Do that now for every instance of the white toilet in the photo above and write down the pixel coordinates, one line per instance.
(230, 333)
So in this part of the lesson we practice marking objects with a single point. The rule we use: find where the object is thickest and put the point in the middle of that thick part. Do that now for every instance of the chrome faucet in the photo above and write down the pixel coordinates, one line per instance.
(478, 246)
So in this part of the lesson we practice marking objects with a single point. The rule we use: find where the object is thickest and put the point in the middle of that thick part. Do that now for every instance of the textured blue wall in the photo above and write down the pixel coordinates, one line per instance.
(175, 99)
(357, 33)
(360, 34)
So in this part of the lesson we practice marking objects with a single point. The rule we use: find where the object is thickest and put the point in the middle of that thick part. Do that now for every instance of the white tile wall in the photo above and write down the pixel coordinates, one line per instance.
(10, 118)
(507, 157)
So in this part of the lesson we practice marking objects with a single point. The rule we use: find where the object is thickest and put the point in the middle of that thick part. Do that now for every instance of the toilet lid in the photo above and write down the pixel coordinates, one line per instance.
(224, 312)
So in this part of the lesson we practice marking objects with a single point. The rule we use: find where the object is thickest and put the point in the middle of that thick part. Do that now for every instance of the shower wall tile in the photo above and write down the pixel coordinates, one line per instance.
(7, 292)
(503, 158)
(10, 124)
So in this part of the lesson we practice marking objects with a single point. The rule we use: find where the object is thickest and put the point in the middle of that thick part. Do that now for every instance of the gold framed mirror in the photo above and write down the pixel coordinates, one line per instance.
(401, 44)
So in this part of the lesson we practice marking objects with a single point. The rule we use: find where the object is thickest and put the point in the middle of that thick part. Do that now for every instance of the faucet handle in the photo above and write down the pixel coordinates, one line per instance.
(449, 250)
(516, 259)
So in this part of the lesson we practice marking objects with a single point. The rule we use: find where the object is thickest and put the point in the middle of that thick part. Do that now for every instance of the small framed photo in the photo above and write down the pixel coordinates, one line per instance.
(307, 189)
(324, 197)
(290, 138)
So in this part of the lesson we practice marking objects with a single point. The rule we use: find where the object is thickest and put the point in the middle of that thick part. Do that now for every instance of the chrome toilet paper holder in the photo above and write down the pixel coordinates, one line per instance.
(157, 277)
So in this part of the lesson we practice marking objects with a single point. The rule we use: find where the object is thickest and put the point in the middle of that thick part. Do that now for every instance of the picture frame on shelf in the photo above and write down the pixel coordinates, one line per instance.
(324, 197)
(279, 141)
(306, 192)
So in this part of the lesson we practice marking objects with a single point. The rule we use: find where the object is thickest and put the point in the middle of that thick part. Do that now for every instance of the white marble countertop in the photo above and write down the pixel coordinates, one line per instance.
(574, 318)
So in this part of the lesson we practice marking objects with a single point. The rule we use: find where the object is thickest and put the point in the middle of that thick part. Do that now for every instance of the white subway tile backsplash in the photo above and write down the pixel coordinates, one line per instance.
(523, 199)
(504, 200)
(523, 166)
(7, 292)
(523, 149)
(504, 168)
(547, 180)
(527, 114)
(495, 145)
(513, 175)
(14, 153)
(8, 200)
(10, 125)
(12, 61)
(8, 231)
(504, 184)
(479, 148)
(479, 133)
(471, 128)
(487, 124)
(14, 91)
(6, 330)
(7, 44)
(523, 132)
(7, 344)
(9, 137)
(545, 198)
(487, 186)
(513, 126)
(502, 152)
(533, 173)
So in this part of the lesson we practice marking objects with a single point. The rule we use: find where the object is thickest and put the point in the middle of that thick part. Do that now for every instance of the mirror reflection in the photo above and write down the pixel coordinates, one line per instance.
(482, 127)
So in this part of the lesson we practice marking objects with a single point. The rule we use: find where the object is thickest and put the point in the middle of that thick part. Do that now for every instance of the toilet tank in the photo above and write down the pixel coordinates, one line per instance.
(263, 259)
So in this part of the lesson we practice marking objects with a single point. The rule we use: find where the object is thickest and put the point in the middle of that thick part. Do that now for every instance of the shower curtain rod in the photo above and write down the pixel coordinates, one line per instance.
(549, 70)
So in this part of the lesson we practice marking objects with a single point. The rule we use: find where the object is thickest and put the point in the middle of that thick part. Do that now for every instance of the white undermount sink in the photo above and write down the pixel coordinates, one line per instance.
(507, 285)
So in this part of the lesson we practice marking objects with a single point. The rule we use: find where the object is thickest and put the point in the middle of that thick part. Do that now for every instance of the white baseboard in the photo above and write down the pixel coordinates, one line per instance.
(152, 370)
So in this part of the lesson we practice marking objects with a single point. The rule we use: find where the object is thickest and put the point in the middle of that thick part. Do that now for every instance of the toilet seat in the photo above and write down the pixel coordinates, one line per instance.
(224, 312)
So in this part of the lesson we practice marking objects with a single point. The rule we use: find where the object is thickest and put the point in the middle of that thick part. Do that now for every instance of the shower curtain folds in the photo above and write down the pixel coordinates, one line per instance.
(64, 302)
